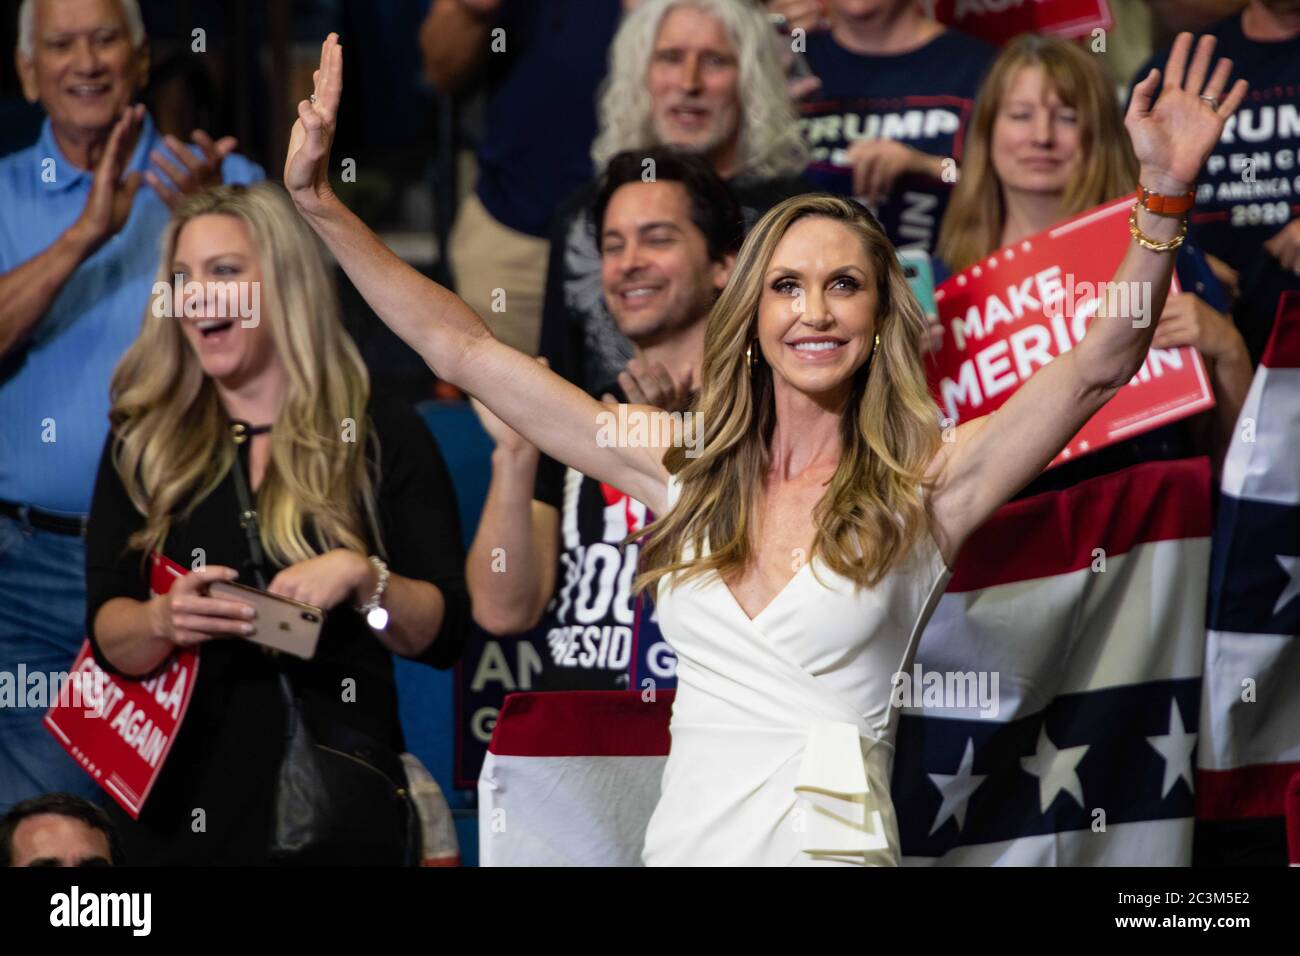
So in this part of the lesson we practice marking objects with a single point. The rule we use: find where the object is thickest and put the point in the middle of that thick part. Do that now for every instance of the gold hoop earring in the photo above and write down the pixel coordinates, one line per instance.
(749, 356)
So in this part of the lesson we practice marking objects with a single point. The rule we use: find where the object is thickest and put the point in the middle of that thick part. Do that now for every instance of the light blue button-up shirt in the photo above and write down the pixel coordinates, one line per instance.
(54, 383)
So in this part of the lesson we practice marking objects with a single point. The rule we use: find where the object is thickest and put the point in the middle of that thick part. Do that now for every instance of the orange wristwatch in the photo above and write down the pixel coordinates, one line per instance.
(1165, 205)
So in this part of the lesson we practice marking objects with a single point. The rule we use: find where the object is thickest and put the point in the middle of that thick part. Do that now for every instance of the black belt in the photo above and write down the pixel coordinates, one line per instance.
(44, 520)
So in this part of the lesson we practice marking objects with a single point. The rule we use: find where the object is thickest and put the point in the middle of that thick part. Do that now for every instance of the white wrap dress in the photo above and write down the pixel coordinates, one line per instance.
(782, 729)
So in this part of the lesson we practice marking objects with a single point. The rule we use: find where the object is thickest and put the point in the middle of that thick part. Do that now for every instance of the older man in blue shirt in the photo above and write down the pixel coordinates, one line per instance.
(79, 246)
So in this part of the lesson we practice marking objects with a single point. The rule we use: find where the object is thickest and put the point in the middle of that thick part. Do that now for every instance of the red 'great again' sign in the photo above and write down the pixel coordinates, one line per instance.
(120, 731)
(1021, 306)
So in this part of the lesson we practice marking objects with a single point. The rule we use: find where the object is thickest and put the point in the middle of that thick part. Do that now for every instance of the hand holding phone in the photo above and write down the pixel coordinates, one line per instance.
(188, 614)
(919, 271)
(280, 623)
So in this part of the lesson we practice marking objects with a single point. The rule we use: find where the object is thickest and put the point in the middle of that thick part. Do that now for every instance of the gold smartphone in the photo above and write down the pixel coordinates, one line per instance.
(286, 625)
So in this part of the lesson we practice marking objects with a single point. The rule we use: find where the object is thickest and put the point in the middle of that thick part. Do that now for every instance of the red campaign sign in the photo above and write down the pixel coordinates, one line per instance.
(997, 21)
(120, 731)
(1023, 305)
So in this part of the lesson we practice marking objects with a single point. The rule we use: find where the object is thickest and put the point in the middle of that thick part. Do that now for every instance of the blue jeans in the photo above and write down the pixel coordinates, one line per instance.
(42, 625)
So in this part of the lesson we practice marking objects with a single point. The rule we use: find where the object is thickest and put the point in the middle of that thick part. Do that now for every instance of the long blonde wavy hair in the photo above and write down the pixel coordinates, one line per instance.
(873, 511)
(172, 443)
(770, 144)
(976, 214)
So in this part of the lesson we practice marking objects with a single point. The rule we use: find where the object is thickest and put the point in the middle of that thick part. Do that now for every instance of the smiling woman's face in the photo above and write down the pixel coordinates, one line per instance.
(817, 311)
(217, 252)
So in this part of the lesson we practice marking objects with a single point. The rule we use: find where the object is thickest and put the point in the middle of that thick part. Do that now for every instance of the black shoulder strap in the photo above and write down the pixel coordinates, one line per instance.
(248, 518)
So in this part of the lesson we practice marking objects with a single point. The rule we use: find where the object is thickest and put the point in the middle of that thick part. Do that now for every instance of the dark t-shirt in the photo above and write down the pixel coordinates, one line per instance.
(922, 99)
(593, 632)
(579, 338)
(540, 115)
(1250, 186)
(227, 754)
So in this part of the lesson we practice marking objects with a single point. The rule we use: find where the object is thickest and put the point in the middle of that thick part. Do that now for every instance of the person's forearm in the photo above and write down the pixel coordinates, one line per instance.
(1231, 376)
(932, 166)
(502, 571)
(426, 316)
(27, 292)
(416, 611)
(128, 635)
(1115, 346)
(454, 42)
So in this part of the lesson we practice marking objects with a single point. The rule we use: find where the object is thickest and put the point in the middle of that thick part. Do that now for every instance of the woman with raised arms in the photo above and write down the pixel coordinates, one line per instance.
(797, 558)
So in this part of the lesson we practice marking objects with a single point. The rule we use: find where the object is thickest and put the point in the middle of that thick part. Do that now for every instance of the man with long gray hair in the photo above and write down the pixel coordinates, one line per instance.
(703, 76)
(78, 248)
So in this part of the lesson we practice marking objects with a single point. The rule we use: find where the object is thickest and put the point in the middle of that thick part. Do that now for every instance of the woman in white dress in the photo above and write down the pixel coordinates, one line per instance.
(799, 554)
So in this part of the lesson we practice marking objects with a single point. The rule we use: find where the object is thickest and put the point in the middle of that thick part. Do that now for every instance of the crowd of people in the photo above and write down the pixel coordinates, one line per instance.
(681, 205)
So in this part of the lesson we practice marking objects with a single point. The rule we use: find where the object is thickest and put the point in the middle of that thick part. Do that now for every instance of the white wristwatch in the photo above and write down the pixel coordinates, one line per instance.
(376, 616)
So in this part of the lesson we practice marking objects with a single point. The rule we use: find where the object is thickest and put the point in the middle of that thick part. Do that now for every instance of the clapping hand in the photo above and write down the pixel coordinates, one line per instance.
(111, 192)
(650, 383)
(187, 173)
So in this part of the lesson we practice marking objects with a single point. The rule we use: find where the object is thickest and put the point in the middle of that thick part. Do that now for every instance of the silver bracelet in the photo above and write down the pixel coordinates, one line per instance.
(375, 615)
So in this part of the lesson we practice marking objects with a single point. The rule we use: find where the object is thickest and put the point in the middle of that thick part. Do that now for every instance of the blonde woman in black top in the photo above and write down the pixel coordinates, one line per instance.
(340, 475)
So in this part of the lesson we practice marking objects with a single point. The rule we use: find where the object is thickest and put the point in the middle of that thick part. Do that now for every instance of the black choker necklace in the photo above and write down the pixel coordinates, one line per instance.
(241, 431)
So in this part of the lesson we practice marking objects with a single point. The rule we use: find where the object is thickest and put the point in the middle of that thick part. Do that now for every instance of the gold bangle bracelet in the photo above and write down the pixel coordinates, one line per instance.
(1146, 242)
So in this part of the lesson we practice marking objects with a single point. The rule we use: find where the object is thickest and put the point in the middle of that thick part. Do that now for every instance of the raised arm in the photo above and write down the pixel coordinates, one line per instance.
(554, 415)
(995, 456)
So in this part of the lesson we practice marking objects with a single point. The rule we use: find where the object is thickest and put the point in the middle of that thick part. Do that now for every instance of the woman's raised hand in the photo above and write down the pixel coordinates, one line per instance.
(1173, 135)
(306, 166)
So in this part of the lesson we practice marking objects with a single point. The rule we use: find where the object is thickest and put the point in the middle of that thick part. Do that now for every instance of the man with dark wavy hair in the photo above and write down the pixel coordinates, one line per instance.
(701, 76)
(670, 230)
